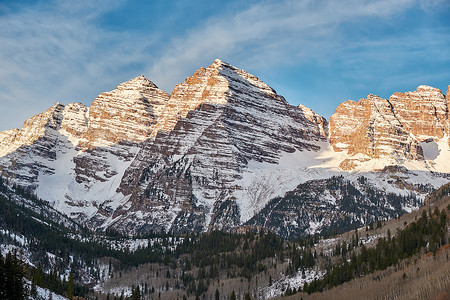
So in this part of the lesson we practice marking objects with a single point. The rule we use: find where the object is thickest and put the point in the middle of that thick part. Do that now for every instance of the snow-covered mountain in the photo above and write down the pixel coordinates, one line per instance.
(217, 150)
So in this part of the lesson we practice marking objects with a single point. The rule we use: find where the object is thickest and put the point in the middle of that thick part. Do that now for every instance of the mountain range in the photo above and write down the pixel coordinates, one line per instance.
(224, 151)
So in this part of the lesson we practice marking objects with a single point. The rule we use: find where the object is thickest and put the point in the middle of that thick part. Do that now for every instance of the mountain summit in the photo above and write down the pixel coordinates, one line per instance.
(398, 129)
(217, 150)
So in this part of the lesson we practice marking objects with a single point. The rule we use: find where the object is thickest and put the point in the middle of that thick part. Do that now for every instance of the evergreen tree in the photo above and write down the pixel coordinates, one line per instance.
(2, 278)
(70, 286)
(12, 278)
(136, 294)
(217, 295)
(38, 275)
(233, 296)
(428, 233)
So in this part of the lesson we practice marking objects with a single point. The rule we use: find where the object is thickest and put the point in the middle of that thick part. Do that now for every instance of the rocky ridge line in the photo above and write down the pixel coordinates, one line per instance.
(140, 159)
(394, 128)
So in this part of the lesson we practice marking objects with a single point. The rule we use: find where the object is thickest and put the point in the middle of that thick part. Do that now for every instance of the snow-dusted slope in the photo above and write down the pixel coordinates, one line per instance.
(215, 123)
(75, 156)
(28, 153)
(217, 150)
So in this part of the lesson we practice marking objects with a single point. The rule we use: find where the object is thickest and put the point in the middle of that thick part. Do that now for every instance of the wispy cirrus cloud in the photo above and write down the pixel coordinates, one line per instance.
(55, 52)
(339, 49)
(270, 33)
(59, 51)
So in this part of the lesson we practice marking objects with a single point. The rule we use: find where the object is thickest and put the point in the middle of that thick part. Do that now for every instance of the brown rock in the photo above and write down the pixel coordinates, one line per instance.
(128, 113)
(423, 112)
(392, 128)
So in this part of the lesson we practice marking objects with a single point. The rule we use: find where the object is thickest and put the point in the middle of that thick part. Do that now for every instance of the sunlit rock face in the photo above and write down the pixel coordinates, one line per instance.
(219, 149)
(128, 113)
(214, 124)
(376, 127)
(139, 159)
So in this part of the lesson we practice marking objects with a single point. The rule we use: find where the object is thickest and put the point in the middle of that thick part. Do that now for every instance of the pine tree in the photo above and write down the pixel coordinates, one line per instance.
(38, 276)
(136, 294)
(233, 296)
(70, 286)
(13, 278)
(217, 296)
(2, 278)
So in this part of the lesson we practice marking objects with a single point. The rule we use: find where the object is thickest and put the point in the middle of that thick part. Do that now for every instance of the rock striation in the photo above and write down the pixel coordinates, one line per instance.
(24, 153)
(423, 113)
(128, 113)
(394, 128)
(139, 159)
(214, 123)
(217, 151)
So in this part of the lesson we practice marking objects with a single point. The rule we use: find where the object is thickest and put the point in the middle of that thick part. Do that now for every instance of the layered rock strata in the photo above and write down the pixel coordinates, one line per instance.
(394, 128)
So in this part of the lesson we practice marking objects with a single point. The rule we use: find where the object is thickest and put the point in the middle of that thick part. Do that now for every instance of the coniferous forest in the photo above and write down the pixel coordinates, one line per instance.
(215, 264)
(429, 231)
(12, 285)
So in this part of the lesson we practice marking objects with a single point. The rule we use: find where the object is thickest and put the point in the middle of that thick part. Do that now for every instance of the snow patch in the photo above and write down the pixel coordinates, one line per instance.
(297, 281)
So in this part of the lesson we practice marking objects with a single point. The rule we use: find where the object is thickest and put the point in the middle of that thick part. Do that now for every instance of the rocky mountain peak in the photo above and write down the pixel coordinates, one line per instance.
(75, 121)
(427, 88)
(393, 128)
(128, 113)
(218, 62)
(138, 83)
(27, 153)
(33, 129)
(209, 155)
(315, 118)
(216, 124)
(215, 85)
(206, 85)
(246, 80)
(423, 112)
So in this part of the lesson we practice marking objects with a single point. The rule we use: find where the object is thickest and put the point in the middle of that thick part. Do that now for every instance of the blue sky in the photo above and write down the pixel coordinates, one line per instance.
(317, 53)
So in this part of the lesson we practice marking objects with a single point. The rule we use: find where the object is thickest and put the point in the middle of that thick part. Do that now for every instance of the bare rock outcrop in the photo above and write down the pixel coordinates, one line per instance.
(394, 128)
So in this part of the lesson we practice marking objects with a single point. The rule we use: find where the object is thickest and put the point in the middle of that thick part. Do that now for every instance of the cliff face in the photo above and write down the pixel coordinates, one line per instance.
(423, 113)
(26, 153)
(448, 96)
(117, 122)
(393, 128)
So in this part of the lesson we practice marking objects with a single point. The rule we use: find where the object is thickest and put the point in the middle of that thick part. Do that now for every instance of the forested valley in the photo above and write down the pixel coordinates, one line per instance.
(250, 263)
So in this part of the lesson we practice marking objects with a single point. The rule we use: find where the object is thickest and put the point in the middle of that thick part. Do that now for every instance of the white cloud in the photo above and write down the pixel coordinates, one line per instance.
(268, 33)
(55, 52)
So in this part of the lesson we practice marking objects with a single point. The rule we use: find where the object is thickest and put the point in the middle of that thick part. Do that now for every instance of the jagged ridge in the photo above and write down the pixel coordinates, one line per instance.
(394, 128)
(216, 151)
